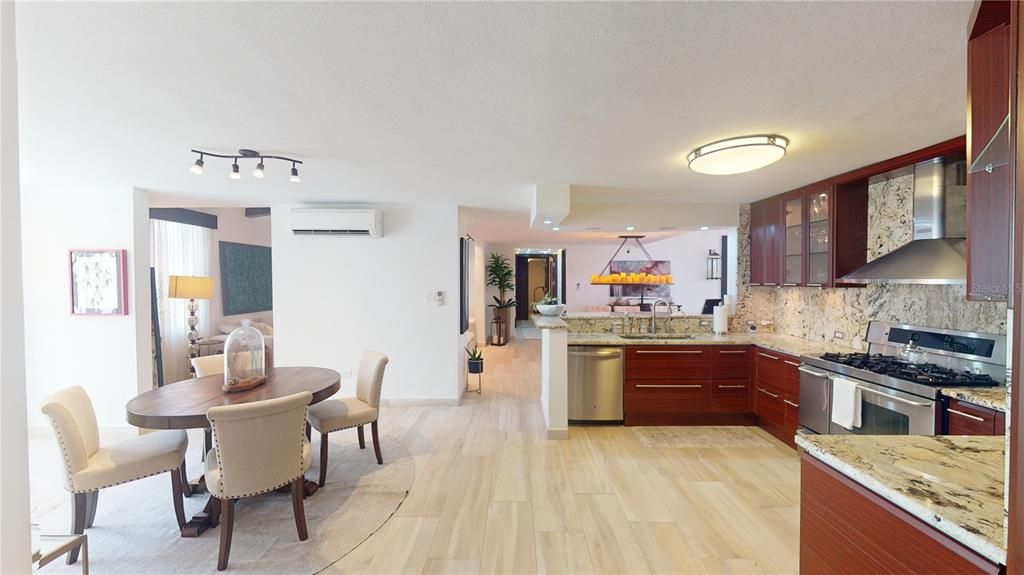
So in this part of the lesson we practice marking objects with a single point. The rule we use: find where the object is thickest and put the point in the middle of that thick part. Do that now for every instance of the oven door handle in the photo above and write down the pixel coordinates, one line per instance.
(893, 397)
(812, 371)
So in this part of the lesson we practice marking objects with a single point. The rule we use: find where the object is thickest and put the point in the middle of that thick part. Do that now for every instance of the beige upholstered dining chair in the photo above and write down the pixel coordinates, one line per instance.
(88, 467)
(348, 412)
(208, 365)
(257, 447)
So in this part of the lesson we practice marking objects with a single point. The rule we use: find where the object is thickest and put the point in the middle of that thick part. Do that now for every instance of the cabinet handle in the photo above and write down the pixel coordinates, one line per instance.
(731, 386)
(766, 392)
(790, 285)
(791, 404)
(649, 351)
(766, 355)
(677, 386)
(794, 364)
(967, 415)
(813, 285)
(743, 351)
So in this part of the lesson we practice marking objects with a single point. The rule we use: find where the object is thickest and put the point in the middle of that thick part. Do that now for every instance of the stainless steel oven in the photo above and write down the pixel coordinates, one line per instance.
(887, 411)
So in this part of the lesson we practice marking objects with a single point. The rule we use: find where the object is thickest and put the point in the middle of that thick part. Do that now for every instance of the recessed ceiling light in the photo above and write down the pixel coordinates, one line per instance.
(737, 155)
(703, 228)
(555, 229)
(547, 222)
(630, 228)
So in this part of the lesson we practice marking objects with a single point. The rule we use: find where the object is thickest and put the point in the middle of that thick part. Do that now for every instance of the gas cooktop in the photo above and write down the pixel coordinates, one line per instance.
(923, 373)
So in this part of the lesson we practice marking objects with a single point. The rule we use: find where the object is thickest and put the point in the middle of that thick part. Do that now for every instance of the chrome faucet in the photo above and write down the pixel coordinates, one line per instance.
(654, 314)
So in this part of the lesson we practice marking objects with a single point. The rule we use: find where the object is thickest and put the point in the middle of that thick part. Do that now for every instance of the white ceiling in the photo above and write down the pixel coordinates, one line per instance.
(474, 103)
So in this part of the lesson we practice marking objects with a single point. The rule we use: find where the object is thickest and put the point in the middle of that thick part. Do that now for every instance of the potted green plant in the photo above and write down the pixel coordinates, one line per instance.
(549, 306)
(476, 360)
(500, 275)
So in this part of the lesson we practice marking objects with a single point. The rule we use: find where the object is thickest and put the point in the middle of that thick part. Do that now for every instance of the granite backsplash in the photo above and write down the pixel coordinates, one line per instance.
(817, 313)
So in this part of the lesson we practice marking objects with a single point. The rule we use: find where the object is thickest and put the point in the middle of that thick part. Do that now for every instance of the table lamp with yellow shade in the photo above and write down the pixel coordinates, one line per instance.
(191, 288)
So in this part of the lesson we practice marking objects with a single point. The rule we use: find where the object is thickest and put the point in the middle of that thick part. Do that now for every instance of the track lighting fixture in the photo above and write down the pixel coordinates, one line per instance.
(236, 174)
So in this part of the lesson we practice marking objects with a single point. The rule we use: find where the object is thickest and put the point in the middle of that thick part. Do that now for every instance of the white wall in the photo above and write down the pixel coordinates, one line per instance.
(14, 502)
(232, 226)
(687, 252)
(110, 356)
(335, 297)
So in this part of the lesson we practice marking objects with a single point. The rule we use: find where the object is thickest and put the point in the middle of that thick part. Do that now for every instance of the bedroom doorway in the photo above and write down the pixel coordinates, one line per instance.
(210, 272)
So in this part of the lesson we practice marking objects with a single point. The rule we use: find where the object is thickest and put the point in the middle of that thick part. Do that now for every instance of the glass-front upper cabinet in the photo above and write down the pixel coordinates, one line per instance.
(817, 239)
(794, 260)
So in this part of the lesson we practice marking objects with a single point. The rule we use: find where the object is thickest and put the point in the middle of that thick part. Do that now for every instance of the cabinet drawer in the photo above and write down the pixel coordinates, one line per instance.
(770, 371)
(666, 396)
(668, 362)
(730, 362)
(770, 407)
(730, 396)
(968, 419)
(791, 367)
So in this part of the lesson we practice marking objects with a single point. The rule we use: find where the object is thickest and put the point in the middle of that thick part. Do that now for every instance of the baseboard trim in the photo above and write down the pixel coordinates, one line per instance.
(420, 402)
(558, 433)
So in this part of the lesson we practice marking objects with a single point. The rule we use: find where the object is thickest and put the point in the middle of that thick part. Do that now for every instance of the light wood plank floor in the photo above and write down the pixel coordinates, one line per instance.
(493, 495)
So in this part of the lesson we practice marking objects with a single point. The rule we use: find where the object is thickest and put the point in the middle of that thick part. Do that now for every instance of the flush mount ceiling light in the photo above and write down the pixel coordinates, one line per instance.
(235, 173)
(737, 155)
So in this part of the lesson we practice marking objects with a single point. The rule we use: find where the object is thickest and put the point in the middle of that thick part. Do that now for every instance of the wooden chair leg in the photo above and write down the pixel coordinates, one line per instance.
(309, 432)
(214, 511)
(323, 459)
(207, 441)
(362, 438)
(376, 443)
(176, 495)
(298, 508)
(78, 515)
(186, 488)
(91, 499)
(225, 534)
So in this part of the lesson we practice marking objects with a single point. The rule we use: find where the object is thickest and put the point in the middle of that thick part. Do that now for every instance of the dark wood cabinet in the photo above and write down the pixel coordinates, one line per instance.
(757, 256)
(777, 394)
(963, 418)
(687, 385)
(989, 193)
(845, 528)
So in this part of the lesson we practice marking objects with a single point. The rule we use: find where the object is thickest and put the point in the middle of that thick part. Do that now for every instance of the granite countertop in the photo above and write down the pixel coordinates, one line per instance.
(548, 322)
(953, 483)
(619, 314)
(992, 397)
(775, 342)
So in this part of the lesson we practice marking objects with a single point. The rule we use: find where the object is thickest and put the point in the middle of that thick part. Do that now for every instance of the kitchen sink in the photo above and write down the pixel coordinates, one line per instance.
(655, 336)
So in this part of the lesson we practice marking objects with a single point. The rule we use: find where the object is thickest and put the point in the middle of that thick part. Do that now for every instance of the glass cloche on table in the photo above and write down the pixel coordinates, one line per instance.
(244, 357)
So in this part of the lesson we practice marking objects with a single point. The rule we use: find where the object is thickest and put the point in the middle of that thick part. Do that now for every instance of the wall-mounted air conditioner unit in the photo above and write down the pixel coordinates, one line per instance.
(336, 222)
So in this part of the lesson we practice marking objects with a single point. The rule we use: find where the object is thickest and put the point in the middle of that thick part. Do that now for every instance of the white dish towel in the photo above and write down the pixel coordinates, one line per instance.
(845, 403)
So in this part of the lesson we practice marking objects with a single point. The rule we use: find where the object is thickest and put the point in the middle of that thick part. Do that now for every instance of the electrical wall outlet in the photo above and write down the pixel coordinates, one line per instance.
(346, 374)
(704, 323)
(766, 322)
(838, 335)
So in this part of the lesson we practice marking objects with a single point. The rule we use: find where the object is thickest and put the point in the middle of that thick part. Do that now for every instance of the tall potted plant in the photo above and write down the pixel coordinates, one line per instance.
(500, 275)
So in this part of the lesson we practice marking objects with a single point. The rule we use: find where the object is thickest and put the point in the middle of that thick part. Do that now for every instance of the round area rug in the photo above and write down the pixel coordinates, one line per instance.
(135, 532)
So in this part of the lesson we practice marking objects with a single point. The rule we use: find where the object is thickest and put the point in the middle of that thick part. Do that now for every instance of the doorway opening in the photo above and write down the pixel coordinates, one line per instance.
(538, 275)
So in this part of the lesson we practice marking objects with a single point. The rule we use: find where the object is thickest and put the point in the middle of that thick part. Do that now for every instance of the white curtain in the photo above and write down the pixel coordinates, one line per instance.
(178, 250)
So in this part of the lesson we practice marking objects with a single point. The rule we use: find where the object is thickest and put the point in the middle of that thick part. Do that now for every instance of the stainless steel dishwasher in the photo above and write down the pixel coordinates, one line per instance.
(595, 384)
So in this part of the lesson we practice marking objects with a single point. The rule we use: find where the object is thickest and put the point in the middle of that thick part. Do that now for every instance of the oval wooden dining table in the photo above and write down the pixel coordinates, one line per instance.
(183, 405)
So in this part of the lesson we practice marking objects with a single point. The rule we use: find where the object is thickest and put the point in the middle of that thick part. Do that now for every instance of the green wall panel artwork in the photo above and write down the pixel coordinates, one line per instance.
(245, 278)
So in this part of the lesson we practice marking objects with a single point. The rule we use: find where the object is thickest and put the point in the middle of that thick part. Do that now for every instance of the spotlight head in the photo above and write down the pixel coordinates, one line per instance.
(235, 174)
(258, 172)
(197, 168)
(295, 175)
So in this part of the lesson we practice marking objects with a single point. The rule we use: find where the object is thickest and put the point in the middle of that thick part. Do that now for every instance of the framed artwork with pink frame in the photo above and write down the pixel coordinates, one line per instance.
(99, 282)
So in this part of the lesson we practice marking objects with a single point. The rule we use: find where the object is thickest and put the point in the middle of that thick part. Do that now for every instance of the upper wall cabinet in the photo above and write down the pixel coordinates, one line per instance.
(989, 185)
(810, 236)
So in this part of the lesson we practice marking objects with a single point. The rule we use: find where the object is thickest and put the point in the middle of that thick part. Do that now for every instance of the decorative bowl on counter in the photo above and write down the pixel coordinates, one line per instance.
(551, 309)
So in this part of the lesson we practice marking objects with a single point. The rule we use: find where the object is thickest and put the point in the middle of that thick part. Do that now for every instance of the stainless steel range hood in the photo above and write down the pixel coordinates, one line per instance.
(938, 252)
